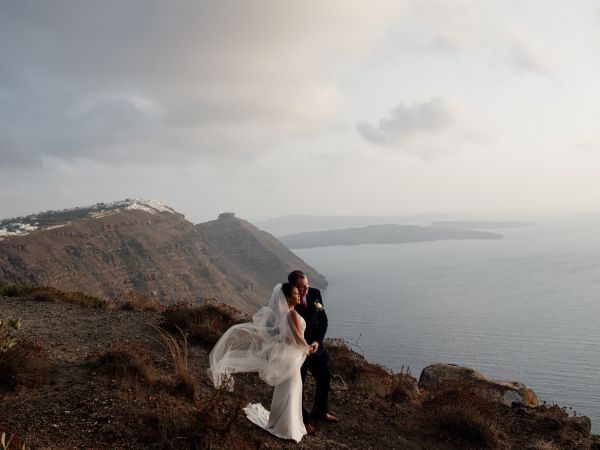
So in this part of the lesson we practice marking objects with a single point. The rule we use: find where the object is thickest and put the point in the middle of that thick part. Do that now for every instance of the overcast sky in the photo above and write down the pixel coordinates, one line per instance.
(269, 108)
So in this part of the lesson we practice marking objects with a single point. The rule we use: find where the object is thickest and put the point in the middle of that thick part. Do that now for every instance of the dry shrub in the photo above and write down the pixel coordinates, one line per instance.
(9, 441)
(167, 418)
(134, 301)
(15, 290)
(355, 370)
(127, 363)
(204, 324)
(544, 445)
(556, 419)
(179, 425)
(172, 423)
(465, 416)
(24, 364)
(186, 383)
(53, 295)
(404, 388)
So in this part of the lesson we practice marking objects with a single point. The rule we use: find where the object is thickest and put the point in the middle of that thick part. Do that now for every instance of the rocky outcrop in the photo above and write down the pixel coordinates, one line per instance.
(151, 249)
(438, 377)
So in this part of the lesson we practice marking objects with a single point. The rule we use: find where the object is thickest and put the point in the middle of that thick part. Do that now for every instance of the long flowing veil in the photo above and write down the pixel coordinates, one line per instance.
(269, 345)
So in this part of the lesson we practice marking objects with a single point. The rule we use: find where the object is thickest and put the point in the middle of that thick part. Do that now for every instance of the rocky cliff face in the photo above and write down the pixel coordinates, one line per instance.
(236, 244)
(109, 249)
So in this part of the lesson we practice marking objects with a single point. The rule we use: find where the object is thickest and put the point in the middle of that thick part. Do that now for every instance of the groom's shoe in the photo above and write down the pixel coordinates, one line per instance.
(330, 418)
(310, 428)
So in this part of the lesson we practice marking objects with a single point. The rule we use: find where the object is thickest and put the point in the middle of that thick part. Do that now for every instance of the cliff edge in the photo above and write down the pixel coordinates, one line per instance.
(145, 246)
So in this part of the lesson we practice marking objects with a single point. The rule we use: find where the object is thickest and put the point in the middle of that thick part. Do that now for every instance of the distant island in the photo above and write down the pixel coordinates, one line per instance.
(380, 234)
(479, 225)
(280, 226)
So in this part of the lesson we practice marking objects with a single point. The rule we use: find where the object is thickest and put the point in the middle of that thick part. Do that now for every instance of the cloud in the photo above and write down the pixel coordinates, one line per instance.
(407, 122)
(524, 57)
(506, 34)
(116, 80)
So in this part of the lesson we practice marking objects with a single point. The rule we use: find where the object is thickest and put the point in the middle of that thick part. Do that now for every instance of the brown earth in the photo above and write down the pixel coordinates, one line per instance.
(94, 399)
(161, 255)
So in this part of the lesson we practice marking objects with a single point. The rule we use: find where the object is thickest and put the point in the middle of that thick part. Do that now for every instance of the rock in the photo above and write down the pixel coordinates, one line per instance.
(442, 377)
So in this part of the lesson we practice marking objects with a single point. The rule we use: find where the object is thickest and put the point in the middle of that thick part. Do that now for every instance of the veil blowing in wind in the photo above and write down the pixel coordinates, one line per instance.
(270, 344)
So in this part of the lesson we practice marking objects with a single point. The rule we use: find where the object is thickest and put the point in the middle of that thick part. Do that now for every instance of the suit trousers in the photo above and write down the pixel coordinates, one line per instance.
(319, 365)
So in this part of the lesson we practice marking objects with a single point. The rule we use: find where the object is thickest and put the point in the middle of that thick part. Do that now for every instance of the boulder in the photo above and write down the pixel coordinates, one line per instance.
(443, 377)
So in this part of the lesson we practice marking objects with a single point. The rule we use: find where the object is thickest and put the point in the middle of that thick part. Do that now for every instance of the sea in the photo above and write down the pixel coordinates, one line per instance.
(524, 308)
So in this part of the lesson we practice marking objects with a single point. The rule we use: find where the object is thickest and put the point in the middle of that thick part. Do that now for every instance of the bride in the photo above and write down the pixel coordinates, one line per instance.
(273, 345)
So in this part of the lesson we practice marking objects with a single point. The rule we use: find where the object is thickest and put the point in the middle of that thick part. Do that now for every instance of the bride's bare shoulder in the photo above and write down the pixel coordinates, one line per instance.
(295, 316)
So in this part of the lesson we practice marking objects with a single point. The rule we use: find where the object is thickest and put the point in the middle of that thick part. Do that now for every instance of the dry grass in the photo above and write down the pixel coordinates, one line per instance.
(356, 371)
(134, 301)
(131, 301)
(404, 388)
(10, 441)
(173, 424)
(178, 415)
(186, 383)
(465, 416)
(179, 425)
(544, 445)
(204, 324)
(172, 412)
(24, 364)
(128, 364)
(53, 295)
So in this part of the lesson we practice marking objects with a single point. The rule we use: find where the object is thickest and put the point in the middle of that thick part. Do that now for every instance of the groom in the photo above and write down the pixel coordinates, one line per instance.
(317, 362)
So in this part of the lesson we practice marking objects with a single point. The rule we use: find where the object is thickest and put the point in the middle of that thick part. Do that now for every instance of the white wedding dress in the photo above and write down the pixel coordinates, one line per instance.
(285, 418)
(272, 346)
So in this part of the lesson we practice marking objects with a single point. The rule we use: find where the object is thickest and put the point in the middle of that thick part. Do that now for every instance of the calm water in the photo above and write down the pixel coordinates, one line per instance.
(524, 308)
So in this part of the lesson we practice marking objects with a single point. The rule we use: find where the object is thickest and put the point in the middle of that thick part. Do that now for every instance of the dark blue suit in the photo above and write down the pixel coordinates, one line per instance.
(318, 363)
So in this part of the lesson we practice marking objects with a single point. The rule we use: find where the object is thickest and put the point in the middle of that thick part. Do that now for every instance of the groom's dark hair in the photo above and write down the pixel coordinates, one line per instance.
(296, 275)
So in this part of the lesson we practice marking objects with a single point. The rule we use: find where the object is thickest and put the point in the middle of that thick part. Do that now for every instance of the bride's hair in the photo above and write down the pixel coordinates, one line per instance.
(287, 289)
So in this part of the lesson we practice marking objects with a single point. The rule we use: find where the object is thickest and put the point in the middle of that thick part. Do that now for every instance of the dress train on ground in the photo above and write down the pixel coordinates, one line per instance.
(285, 418)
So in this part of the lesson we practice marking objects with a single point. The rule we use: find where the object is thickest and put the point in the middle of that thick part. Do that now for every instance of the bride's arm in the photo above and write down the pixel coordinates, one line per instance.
(297, 329)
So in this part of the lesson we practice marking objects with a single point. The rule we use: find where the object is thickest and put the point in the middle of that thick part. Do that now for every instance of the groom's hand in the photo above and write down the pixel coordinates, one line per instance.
(313, 347)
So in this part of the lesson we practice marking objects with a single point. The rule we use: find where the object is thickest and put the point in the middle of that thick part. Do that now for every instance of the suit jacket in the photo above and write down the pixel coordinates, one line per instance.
(316, 320)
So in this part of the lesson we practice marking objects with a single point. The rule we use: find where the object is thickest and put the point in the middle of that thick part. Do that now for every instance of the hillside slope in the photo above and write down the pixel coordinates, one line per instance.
(108, 250)
(261, 256)
(112, 385)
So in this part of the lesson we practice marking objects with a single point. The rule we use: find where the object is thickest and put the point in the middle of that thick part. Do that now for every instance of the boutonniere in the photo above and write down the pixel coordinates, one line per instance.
(318, 306)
